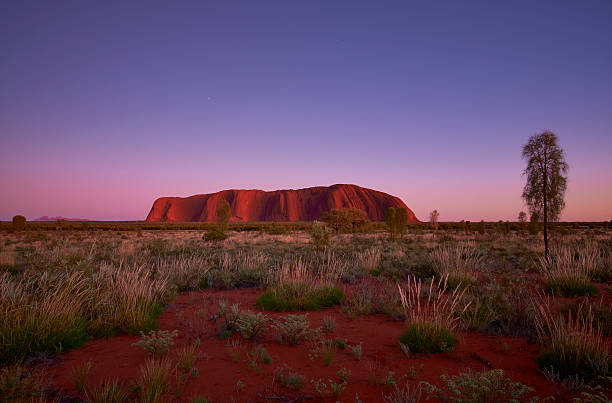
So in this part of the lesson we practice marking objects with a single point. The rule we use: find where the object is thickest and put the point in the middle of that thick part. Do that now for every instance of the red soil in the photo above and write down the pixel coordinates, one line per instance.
(219, 373)
(281, 205)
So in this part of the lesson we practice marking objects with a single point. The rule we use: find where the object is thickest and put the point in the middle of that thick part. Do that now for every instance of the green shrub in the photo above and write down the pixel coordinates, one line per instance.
(293, 329)
(157, 343)
(299, 297)
(215, 235)
(260, 354)
(289, 379)
(570, 287)
(251, 324)
(319, 234)
(490, 386)
(19, 222)
(428, 337)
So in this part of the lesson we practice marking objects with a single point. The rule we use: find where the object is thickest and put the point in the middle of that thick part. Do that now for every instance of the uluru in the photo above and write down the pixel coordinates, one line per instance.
(306, 204)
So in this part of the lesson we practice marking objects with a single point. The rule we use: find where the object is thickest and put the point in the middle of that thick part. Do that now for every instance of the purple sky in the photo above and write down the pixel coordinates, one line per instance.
(105, 106)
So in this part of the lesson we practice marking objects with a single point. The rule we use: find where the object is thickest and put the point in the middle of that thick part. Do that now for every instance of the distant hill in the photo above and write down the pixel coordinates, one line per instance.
(280, 205)
(47, 218)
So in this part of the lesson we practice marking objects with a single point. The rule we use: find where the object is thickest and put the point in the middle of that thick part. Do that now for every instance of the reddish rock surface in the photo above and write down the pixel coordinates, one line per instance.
(281, 205)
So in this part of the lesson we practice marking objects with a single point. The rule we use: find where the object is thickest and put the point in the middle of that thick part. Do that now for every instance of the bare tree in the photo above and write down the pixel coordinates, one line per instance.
(522, 218)
(546, 180)
(433, 219)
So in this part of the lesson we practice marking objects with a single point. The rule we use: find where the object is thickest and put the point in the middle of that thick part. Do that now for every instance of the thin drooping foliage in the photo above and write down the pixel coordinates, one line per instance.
(546, 180)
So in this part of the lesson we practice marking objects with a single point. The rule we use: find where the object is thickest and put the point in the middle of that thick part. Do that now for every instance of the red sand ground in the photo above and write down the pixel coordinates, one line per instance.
(280, 205)
(219, 373)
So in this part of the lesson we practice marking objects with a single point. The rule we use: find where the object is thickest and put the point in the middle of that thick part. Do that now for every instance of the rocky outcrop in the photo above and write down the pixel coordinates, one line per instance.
(280, 205)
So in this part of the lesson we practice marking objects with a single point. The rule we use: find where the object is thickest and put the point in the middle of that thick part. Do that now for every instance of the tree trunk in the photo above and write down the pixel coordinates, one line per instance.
(545, 187)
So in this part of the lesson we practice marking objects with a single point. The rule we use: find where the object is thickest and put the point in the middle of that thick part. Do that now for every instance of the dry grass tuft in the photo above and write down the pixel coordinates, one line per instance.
(573, 346)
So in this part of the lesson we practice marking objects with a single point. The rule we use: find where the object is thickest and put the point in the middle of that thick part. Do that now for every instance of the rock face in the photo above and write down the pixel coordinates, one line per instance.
(281, 205)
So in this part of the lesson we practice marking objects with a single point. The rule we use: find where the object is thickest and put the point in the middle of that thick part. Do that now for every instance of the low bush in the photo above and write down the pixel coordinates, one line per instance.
(469, 387)
(215, 235)
(260, 354)
(157, 343)
(427, 337)
(300, 297)
(319, 234)
(289, 379)
(570, 287)
(376, 296)
(251, 325)
(19, 222)
(293, 329)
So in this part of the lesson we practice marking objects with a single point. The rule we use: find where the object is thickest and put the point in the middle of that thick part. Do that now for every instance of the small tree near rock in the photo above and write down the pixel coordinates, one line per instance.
(223, 215)
(433, 220)
(19, 222)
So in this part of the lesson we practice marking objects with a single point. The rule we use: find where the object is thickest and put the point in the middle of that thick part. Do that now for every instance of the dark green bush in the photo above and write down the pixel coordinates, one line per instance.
(427, 337)
(570, 287)
(571, 363)
(64, 334)
(471, 387)
(299, 297)
(215, 235)
(19, 222)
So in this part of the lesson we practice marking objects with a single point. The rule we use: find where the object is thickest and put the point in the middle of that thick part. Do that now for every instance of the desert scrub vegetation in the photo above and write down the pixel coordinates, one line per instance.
(572, 346)
(154, 380)
(300, 289)
(568, 272)
(288, 378)
(371, 296)
(430, 319)
(294, 329)
(157, 343)
(458, 263)
(491, 386)
(57, 310)
(239, 269)
(22, 384)
(41, 314)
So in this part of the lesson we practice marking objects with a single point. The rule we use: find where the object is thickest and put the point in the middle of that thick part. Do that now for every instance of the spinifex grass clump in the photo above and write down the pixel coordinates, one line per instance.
(430, 320)
(458, 264)
(51, 319)
(572, 346)
(55, 310)
(568, 273)
(126, 298)
(300, 289)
